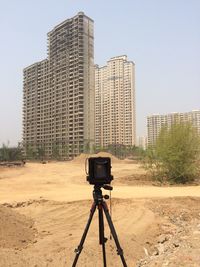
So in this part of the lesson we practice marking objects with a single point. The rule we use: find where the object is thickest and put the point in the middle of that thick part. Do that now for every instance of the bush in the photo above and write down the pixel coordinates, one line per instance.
(10, 153)
(175, 157)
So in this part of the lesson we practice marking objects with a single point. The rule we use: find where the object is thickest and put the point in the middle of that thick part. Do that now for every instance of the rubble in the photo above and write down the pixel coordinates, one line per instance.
(178, 247)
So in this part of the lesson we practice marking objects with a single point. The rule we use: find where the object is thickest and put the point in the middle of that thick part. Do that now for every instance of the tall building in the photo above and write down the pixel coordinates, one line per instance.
(58, 92)
(156, 122)
(115, 121)
(142, 142)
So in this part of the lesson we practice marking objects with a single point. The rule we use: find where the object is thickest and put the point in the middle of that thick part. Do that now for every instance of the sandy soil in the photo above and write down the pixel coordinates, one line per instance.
(44, 209)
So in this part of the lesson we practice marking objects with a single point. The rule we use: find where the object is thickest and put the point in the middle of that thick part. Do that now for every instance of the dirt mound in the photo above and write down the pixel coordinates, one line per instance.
(82, 157)
(16, 230)
(113, 158)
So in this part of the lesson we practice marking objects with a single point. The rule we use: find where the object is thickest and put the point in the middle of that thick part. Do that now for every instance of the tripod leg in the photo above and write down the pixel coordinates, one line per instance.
(80, 246)
(114, 234)
(102, 239)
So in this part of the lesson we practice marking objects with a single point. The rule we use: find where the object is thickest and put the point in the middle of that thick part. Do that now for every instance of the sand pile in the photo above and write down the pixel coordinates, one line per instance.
(82, 157)
(16, 230)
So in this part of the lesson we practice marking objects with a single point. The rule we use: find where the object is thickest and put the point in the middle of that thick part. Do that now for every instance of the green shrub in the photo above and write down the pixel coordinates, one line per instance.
(175, 156)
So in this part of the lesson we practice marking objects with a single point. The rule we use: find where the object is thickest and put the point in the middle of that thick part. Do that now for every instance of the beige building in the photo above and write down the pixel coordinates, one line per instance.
(156, 122)
(142, 142)
(115, 121)
(58, 93)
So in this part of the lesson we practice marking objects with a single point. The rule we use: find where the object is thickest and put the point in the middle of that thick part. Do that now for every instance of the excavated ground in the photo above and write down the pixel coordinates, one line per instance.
(44, 209)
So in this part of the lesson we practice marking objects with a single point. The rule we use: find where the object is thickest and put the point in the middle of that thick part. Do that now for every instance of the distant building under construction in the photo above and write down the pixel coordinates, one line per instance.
(58, 93)
(156, 122)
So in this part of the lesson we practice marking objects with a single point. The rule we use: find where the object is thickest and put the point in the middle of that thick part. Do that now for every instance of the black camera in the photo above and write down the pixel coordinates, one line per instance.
(99, 170)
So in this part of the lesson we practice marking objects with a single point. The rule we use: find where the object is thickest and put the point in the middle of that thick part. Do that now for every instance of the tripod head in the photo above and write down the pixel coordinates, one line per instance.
(97, 192)
(107, 187)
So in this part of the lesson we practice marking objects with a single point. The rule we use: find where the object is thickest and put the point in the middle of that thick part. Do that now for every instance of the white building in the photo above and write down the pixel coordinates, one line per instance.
(155, 122)
(142, 142)
(115, 120)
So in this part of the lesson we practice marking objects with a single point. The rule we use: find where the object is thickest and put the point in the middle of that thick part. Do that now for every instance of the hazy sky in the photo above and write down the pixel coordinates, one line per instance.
(162, 37)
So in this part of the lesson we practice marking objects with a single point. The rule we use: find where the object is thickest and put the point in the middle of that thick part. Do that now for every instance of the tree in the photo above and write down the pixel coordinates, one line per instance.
(175, 156)
(10, 153)
(86, 146)
(4, 153)
(31, 153)
(41, 152)
(66, 150)
(136, 152)
(55, 151)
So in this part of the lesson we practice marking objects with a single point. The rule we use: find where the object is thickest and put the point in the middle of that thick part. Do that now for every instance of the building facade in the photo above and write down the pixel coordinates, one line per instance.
(156, 122)
(142, 142)
(115, 120)
(58, 93)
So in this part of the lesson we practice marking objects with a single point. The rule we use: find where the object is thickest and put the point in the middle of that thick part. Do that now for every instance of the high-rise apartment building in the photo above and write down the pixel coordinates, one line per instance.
(58, 92)
(142, 142)
(115, 121)
(156, 122)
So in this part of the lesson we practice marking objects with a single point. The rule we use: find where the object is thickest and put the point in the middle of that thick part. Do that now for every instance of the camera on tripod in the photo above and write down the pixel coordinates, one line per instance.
(99, 174)
(99, 171)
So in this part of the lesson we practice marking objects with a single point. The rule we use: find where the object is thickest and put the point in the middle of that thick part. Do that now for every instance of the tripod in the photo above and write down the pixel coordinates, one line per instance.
(102, 206)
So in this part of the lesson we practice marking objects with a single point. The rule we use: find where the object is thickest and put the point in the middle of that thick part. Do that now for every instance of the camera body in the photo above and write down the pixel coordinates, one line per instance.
(99, 170)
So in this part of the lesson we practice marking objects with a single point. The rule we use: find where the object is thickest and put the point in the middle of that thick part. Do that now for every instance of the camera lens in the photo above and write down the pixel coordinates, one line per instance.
(100, 170)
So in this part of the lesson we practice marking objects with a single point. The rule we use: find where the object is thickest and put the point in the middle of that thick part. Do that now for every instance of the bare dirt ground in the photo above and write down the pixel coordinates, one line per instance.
(44, 209)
